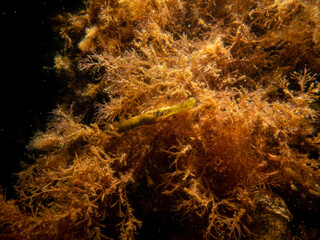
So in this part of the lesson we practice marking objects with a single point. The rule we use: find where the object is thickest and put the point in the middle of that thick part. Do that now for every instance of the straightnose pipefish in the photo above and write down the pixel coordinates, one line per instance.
(155, 116)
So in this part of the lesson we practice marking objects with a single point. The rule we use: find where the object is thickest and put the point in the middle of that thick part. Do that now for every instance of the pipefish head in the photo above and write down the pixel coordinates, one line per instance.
(154, 116)
(161, 112)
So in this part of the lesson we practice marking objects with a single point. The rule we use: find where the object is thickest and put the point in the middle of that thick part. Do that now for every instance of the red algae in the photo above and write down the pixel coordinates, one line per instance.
(250, 143)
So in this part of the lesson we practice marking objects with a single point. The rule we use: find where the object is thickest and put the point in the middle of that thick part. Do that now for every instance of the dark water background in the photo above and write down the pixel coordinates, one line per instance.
(28, 88)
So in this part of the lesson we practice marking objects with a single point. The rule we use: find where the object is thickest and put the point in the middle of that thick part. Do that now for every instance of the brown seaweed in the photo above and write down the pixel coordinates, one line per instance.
(253, 67)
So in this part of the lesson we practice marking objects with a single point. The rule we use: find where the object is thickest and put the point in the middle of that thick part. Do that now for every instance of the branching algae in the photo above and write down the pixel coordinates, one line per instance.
(155, 116)
(244, 160)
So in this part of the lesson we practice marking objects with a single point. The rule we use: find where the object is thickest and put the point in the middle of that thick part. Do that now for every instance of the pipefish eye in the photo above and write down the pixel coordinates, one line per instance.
(159, 113)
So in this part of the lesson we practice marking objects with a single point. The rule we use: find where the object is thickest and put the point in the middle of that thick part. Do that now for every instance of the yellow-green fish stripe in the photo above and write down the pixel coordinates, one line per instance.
(154, 116)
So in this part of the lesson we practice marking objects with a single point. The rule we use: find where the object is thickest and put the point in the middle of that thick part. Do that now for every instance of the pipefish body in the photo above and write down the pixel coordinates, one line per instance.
(155, 116)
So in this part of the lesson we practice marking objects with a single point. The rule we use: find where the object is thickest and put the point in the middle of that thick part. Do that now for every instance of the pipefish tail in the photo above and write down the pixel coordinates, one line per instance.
(155, 116)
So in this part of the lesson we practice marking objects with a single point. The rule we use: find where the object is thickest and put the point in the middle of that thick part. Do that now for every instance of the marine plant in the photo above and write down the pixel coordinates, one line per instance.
(245, 74)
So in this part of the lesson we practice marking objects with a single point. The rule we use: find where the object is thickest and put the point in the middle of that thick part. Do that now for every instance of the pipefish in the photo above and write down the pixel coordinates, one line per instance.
(155, 116)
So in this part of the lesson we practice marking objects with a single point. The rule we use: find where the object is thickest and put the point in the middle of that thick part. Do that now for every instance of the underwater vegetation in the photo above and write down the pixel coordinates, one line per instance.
(186, 119)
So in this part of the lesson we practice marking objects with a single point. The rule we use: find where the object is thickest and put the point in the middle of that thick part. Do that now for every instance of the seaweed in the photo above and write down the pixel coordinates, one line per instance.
(253, 68)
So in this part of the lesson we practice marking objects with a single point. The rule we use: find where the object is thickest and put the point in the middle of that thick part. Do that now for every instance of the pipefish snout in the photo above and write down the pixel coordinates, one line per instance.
(155, 116)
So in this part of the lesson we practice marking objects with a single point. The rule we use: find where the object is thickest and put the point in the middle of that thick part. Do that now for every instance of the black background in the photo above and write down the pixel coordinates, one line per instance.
(29, 87)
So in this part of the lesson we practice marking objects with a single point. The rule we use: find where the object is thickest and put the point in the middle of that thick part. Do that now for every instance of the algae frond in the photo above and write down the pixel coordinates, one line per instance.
(253, 68)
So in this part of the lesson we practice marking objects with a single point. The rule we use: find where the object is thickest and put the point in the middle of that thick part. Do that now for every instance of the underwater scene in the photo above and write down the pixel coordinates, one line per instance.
(183, 120)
